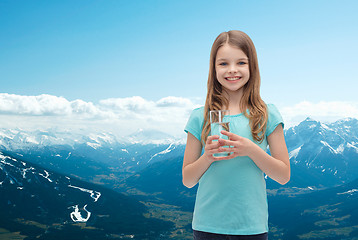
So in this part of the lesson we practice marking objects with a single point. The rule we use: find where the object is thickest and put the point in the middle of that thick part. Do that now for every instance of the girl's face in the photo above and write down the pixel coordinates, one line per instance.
(232, 68)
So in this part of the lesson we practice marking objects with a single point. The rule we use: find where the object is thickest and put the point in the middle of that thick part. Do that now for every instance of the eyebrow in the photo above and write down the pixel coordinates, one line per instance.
(221, 59)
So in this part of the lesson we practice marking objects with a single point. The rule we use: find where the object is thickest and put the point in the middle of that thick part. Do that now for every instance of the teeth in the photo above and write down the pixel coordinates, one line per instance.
(233, 78)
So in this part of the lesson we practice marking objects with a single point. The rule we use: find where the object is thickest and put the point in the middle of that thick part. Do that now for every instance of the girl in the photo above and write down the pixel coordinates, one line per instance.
(231, 200)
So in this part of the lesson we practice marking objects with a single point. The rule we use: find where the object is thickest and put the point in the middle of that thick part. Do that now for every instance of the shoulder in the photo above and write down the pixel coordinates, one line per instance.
(274, 118)
(198, 112)
(271, 107)
(195, 122)
(272, 111)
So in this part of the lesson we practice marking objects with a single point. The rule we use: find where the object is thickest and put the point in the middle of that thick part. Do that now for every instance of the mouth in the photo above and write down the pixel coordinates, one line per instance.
(233, 78)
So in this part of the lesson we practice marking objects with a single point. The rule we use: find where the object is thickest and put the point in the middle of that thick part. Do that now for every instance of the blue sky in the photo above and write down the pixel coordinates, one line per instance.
(116, 49)
(94, 50)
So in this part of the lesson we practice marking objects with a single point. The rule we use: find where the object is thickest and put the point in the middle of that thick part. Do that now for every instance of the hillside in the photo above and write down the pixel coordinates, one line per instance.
(38, 203)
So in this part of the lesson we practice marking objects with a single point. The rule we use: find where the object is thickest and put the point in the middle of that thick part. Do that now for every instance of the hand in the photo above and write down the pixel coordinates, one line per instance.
(212, 147)
(239, 146)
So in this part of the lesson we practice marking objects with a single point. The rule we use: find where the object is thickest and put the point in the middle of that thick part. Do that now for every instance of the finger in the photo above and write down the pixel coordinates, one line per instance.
(224, 142)
(231, 135)
(227, 149)
(212, 145)
(211, 138)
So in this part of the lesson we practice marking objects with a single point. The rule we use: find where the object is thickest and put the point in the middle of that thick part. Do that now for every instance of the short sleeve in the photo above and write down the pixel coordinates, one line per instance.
(195, 123)
(274, 119)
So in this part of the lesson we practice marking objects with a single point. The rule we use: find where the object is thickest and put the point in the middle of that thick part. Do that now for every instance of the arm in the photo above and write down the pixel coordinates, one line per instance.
(194, 165)
(276, 166)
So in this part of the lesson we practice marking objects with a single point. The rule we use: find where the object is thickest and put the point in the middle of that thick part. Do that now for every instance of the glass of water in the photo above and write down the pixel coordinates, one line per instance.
(217, 124)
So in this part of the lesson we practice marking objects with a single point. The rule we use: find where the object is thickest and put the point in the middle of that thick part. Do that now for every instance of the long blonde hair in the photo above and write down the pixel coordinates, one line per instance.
(251, 98)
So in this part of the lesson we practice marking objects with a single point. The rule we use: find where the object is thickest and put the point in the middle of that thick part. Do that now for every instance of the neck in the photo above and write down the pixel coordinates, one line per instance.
(234, 101)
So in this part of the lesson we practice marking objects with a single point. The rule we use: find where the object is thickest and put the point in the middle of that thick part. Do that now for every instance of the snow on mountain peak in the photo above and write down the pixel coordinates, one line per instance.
(12, 139)
(308, 123)
(309, 119)
(99, 138)
(150, 136)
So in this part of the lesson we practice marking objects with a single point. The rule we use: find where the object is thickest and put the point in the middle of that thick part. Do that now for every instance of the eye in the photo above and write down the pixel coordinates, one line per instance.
(242, 63)
(223, 64)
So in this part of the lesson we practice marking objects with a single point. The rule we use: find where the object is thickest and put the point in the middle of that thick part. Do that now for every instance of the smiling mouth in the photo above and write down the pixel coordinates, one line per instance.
(233, 78)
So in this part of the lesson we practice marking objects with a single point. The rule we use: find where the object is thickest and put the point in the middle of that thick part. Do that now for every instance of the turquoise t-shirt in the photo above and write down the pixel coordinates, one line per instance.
(231, 196)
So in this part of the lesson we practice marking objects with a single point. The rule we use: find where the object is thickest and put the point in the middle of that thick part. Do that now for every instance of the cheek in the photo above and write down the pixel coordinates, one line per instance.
(219, 72)
(247, 72)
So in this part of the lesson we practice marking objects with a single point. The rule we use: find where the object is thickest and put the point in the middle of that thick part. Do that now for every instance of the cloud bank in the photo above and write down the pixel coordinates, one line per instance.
(321, 111)
(123, 116)
(119, 115)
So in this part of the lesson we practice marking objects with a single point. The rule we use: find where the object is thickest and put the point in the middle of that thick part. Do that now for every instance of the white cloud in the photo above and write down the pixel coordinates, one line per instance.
(49, 105)
(123, 116)
(174, 102)
(120, 115)
(132, 104)
(321, 111)
(33, 105)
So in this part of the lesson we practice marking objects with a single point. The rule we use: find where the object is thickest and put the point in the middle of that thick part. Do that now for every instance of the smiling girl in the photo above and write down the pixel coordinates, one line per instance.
(231, 201)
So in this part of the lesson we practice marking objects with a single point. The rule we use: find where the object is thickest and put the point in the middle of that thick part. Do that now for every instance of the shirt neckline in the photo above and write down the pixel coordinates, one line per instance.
(237, 115)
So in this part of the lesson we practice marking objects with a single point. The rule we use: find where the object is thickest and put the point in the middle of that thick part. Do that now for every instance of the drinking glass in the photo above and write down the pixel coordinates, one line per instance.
(217, 124)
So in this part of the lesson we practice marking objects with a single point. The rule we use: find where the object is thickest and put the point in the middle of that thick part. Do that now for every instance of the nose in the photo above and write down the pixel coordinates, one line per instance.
(232, 68)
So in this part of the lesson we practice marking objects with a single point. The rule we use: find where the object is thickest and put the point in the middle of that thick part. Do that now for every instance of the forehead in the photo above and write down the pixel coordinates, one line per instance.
(230, 52)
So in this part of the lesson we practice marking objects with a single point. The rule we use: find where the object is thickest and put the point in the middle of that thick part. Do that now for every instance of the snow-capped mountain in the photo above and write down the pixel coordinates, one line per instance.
(103, 147)
(321, 154)
(326, 152)
(151, 137)
(149, 164)
(13, 139)
(91, 156)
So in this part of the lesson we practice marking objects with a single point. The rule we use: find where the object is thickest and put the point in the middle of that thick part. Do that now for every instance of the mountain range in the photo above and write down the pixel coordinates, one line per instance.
(322, 155)
(146, 167)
